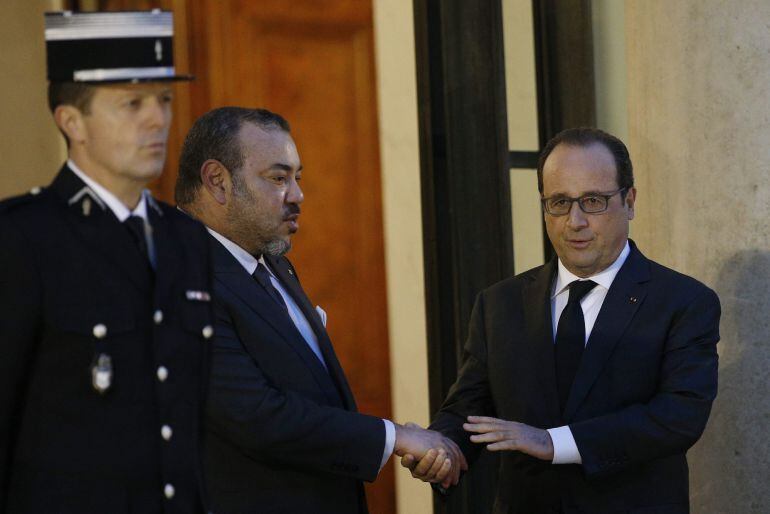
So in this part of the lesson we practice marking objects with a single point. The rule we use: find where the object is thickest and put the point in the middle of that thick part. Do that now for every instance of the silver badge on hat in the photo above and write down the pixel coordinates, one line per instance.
(101, 373)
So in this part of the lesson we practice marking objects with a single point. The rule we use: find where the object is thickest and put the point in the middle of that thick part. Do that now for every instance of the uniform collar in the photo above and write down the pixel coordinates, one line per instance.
(107, 198)
(604, 278)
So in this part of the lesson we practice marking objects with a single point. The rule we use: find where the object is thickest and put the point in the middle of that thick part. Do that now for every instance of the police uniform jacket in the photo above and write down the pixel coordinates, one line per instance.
(80, 433)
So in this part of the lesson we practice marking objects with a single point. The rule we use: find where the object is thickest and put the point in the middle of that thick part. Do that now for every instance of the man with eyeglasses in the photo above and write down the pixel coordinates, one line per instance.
(593, 374)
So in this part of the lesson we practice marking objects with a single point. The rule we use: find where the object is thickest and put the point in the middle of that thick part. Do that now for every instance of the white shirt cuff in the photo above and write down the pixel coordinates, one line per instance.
(390, 441)
(565, 451)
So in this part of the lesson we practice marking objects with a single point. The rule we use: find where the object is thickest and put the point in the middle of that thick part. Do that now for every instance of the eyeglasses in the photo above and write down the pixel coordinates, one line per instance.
(591, 203)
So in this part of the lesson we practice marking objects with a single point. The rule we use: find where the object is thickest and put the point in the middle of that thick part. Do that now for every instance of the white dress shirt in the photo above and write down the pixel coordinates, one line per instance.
(565, 450)
(117, 207)
(250, 263)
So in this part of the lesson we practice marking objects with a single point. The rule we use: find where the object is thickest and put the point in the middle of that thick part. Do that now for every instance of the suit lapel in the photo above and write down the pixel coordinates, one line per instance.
(99, 229)
(287, 277)
(626, 294)
(231, 274)
(536, 301)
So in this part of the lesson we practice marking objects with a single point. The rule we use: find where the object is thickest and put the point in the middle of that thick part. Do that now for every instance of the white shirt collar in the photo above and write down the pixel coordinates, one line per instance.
(248, 261)
(116, 206)
(604, 278)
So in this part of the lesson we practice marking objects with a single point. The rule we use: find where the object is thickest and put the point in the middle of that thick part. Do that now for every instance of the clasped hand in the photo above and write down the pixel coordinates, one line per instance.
(429, 455)
(498, 434)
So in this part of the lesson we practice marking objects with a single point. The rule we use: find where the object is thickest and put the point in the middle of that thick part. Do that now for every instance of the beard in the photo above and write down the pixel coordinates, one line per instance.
(276, 247)
(251, 227)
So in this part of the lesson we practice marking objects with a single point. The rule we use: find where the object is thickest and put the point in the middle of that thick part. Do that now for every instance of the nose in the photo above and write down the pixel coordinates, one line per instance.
(295, 194)
(158, 112)
(576, 219)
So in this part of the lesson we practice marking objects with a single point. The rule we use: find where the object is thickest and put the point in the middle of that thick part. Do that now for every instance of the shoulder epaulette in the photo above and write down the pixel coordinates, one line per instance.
(23, 199)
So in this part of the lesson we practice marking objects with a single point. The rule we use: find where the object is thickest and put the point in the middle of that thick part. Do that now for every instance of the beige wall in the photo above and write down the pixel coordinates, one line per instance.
(31, 148)
(699, 127)
(609, 39)
(399, 150)
(521, 100)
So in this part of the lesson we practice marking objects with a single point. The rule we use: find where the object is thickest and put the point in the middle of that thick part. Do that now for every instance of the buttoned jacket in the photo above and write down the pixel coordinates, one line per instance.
(74, 287)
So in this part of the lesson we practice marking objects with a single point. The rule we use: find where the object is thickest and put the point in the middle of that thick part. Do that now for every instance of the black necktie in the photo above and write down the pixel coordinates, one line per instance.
(262, 275)
(135, 225)
(571, 338)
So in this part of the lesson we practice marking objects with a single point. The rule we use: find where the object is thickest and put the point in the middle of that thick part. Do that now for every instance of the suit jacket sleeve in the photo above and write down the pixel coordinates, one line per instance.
(470, 394)
(20, 293)
(675, 417)
(284, 427)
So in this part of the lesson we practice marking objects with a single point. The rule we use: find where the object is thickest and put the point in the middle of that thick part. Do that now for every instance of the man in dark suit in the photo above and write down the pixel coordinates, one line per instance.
(283, 434)
(103, 292)
(593, 374)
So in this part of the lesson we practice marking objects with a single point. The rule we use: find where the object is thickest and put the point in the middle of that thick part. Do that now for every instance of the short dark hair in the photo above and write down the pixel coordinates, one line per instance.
(587, 136)
(76, 94)
(215, 136)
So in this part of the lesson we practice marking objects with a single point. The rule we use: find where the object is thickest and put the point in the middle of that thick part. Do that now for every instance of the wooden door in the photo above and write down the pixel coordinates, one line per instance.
(311, 61)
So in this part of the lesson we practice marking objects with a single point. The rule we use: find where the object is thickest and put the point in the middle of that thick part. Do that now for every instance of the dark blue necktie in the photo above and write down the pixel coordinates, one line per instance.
(571, 338)
(262, 275)
(135, 225)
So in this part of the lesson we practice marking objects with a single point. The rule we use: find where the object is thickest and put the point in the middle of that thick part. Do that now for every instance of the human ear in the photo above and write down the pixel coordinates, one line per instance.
(216, 180)
(69, 119)
(630, 202)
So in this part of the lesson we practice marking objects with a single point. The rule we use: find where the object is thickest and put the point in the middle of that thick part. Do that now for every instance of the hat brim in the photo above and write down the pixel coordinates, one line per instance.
(144, 80)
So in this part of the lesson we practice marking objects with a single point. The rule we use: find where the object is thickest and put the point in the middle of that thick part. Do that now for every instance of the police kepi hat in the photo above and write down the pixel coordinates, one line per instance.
(105, 47)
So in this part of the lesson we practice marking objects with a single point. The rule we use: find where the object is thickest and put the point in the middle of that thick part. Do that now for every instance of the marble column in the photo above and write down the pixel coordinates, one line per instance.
(699, 134)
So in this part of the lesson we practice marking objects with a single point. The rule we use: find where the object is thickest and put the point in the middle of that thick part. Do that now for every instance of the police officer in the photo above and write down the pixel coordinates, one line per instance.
(104, 291)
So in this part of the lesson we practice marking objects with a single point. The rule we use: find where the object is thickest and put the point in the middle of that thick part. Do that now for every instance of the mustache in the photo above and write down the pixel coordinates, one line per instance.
(291, 210)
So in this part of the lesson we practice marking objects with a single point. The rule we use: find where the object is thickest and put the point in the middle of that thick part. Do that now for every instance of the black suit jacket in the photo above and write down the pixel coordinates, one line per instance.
(66, 266)
(641, 396)
(283, 434)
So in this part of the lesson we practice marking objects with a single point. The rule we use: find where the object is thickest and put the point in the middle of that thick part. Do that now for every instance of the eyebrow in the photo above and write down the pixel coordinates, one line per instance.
(284, 167)
(586, 193)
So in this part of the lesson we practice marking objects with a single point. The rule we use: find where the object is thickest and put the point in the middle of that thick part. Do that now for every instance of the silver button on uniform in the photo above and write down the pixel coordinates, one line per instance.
(100, 331)
(162, 373)
(168, 490)
(157, 317)
(166, 432)
(208, 332)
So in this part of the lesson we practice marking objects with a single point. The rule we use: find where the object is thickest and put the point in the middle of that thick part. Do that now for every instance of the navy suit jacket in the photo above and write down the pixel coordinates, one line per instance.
(640, 399)
(283, 433)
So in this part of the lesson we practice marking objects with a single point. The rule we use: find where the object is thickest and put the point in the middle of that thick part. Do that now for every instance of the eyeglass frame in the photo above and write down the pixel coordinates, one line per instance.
(606, 196)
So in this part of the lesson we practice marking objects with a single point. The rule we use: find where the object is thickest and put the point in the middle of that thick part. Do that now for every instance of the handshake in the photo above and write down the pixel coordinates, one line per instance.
(434, 458)
(430, 456)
